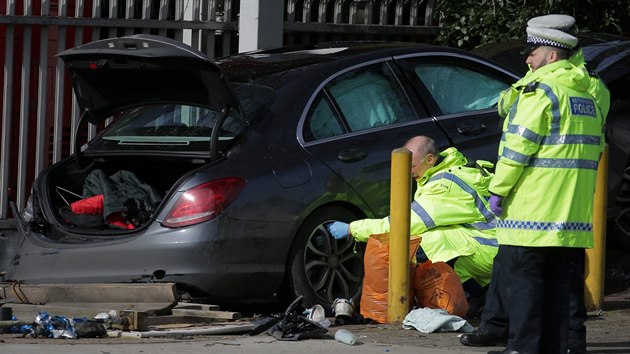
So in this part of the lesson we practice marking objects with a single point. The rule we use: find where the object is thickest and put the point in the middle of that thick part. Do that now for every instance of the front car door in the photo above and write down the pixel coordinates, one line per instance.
(461, 94)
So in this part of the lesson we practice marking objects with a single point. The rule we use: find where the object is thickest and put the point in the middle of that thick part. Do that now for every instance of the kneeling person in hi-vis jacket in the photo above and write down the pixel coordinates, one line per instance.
(449, 209)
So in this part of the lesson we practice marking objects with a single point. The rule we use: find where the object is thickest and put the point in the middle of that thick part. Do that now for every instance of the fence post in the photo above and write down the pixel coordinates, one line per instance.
(260, 27)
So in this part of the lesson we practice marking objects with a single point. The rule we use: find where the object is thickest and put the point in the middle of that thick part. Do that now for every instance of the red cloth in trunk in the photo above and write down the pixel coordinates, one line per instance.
(91, 205)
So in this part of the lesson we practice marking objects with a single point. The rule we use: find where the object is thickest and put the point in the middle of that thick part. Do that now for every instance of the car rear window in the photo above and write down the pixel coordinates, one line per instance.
(165, 127)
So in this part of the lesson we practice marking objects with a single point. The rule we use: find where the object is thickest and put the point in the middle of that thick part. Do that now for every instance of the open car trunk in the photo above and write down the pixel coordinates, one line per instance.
(134, 187)
(172, 111)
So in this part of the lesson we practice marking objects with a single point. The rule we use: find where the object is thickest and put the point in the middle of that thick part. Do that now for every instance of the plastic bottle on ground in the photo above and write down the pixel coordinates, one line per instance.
(345, 336)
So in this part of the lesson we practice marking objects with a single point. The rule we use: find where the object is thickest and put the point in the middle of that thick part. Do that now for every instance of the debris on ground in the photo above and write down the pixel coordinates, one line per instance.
(114, 310)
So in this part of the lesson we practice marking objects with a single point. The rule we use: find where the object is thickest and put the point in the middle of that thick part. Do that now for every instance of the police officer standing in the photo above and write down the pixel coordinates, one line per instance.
(494, 322)
(543, 190)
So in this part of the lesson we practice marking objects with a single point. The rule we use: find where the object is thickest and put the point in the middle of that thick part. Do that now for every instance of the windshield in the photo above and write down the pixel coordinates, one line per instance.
(166, 127)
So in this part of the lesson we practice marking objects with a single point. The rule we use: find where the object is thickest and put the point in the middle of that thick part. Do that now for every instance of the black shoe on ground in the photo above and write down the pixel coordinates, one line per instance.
(480, 338)
(504, 351)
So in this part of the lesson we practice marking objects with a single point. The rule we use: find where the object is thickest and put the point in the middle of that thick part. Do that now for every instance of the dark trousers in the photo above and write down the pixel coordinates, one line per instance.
(577, 307)
(494, 318)
(537, 288)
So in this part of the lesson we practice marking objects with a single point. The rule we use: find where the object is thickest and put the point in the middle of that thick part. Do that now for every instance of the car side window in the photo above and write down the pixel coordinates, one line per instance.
(322, 121)
(365, 98)
(458, 89)
(371, 97)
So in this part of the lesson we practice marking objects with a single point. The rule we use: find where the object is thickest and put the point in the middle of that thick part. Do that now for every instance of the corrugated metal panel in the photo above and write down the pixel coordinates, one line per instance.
(6, 154)
(39, 111)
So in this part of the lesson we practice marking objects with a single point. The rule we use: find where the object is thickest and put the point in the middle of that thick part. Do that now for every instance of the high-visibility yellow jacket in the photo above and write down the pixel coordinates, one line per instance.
(597, 88)
(548, 160)
(451, 212)
(448, 194)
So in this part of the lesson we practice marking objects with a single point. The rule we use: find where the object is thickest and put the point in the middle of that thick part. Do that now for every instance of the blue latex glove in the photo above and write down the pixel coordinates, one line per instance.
(339, 230)
(496, 206)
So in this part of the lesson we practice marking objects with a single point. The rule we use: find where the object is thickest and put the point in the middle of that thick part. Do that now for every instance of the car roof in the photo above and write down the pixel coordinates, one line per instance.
(274, 67)
(602, 52)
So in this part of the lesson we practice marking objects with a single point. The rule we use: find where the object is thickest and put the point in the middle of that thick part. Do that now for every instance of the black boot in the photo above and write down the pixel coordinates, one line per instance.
(476, 296)
(480, 338)
(580, 350)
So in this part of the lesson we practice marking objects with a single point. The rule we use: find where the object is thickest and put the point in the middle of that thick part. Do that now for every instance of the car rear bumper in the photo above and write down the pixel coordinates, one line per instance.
(217, 263)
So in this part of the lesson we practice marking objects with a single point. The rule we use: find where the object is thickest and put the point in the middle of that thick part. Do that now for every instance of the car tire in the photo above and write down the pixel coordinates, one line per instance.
(321, 268)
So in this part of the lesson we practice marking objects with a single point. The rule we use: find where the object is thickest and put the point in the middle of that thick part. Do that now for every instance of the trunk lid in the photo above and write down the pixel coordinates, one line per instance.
(113, 74)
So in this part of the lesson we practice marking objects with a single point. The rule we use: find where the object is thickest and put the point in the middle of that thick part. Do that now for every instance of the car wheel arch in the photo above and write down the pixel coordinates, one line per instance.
(305, 256)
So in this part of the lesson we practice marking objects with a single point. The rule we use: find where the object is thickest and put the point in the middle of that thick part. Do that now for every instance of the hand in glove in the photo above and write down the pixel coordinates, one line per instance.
(496, 206)
(339, 230)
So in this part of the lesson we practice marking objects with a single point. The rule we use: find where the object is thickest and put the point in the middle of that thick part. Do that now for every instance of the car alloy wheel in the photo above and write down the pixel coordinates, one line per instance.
(321, 268)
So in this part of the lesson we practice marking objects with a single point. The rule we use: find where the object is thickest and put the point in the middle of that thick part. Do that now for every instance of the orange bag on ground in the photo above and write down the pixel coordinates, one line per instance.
(436, 285)
(375, 280)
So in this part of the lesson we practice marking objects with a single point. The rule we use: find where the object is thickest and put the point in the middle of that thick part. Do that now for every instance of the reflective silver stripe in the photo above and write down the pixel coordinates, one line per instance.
(555, 109)
(563, 163)
(515, 156)
(468, 189)
(571, 139)
(525, 133)
(544, 226)
(510, 116)
(487, 241)
(483, 225)
(554, 137)
(513, 108)
(424, 216)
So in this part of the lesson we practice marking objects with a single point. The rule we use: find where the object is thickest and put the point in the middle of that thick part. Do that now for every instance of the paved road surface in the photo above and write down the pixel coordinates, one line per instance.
(608, 333)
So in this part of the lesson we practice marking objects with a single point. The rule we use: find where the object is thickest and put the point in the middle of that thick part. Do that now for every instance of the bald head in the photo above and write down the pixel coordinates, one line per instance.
(424, 154)
(423, 145)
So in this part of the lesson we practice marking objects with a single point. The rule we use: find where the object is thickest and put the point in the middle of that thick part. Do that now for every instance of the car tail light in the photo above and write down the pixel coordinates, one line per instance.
(204, 202)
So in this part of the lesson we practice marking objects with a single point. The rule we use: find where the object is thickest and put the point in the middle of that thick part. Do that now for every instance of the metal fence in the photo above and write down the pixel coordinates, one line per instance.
(39, 113)
(325, 20)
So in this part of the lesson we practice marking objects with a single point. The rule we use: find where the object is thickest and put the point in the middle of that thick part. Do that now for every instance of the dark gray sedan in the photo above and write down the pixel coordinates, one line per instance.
(221, 176)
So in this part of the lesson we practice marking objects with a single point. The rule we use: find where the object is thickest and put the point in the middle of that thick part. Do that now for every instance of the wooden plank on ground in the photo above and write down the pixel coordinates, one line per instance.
(152, 308)
(175, 320)
(195, 306)
(86, 293)
(215, 330)
(223, 315)
(132, 321)
(28, 312)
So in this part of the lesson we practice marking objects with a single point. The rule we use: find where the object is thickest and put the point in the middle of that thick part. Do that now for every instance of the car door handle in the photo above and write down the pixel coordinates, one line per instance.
(352, 155)
(471, 128)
